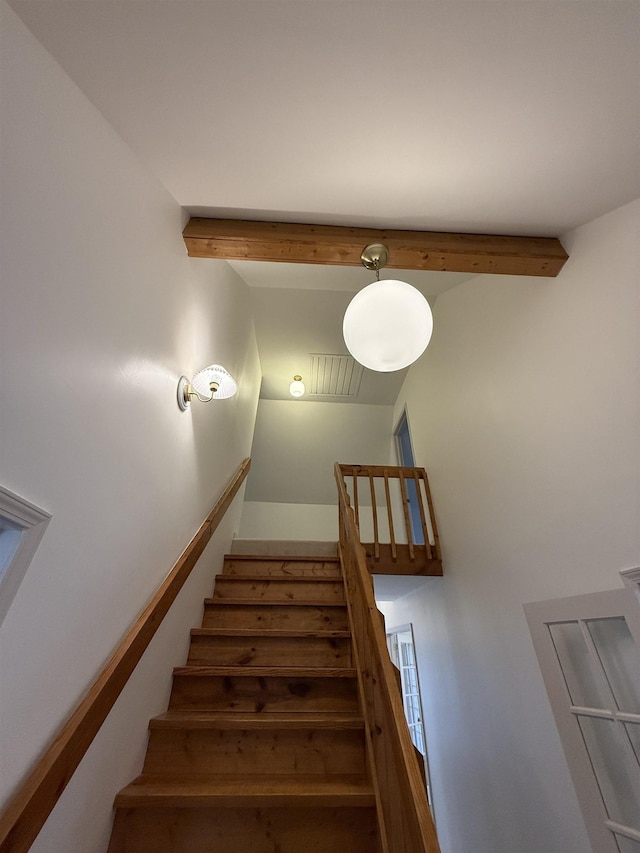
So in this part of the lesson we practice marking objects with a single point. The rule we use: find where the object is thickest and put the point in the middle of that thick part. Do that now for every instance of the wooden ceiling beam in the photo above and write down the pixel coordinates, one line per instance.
(232, 239)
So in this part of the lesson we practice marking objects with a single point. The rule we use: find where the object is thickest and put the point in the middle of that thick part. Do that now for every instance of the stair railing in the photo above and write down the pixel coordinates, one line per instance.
(405, 821)
(393, 511)
(34, 800)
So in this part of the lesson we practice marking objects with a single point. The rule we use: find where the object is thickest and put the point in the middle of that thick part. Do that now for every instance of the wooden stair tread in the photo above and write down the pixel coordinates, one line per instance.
(277, 579)
(268, 632)
(282, 558)
(261, 602)
(266, 671)
(254, 720)
(246, 791)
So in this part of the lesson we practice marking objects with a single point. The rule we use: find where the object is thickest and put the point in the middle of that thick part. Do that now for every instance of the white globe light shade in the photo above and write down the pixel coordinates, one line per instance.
(297, 389)
(387, 325)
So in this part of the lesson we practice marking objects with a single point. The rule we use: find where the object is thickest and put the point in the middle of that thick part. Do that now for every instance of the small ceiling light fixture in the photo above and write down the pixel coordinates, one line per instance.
(297, 389)
(388, 324)
(210, 383)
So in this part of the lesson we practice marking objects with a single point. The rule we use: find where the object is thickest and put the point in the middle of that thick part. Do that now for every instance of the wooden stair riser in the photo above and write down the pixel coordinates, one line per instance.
(244, 830)
(294, 617)
(262, 751)
(251, 567)
(269, 651)
(263, 693)
(280, 589)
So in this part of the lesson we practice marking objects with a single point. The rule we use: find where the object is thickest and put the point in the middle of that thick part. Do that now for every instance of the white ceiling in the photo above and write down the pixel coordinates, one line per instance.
(491, 116)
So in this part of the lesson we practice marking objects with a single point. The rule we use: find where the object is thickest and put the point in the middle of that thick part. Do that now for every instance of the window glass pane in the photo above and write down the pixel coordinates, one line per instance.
(627, 845)
(584, 682)
(620, 658)
(633, 731)
(616, 769)
(10, 536)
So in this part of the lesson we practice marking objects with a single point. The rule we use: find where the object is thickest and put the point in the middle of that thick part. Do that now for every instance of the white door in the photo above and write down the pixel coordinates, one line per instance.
(588, 648)
(403, 655)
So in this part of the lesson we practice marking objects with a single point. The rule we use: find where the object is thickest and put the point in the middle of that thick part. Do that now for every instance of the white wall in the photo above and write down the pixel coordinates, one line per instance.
(295, 446)
(525, 413)
(101, 313)
(319, 522)
(303, 522)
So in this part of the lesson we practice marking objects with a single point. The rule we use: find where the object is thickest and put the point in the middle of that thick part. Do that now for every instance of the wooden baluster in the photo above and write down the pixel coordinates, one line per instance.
(374, 510)
(407, 519)
(355, 497)
(394, 551)
(423, 519)
(431, 515)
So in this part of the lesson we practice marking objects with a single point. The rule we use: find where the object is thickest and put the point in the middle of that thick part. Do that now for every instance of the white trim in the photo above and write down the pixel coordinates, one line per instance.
(33, 522)
(631, 578)
(623, 830)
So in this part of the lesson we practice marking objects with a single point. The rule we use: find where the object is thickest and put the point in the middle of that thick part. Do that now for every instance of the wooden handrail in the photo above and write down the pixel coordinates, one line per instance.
(405, 819)
(27, 812)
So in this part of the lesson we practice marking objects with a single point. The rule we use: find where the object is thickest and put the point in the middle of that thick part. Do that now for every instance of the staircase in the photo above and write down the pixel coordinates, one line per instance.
(262, 749)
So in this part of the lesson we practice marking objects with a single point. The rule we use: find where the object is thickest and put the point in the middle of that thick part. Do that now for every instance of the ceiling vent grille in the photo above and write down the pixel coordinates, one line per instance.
(334, 376)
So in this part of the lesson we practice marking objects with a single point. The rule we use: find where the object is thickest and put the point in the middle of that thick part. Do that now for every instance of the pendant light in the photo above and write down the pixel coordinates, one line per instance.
(388, 324)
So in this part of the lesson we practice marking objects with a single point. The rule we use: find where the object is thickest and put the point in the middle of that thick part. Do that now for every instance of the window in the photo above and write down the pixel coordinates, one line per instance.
(21, 528)
(588, 648)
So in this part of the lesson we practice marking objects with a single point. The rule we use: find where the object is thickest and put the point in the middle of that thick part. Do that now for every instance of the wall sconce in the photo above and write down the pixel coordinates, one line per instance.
(210, 383)
(296, 389)
(388, 324)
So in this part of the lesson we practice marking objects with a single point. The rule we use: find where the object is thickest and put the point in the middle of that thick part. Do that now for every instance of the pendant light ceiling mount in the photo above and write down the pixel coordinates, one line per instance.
(375, 256)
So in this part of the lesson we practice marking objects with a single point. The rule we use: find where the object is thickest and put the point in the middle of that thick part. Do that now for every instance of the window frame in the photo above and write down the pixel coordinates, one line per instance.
(32, 521)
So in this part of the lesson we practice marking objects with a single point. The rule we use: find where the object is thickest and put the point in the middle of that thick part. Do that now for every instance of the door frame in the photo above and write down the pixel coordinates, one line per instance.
(412, 497)
(404, 629)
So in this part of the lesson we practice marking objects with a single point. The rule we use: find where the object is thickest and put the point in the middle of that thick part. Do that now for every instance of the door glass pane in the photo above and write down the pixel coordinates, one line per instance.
(410, 714)
(412, 685)
(393, 648)
(620, 660)
(415, 702)
(627, 845)
(584, 682)
(633, 730)
(407, 654)
(416, 737)
(616, 769)
(406, 657)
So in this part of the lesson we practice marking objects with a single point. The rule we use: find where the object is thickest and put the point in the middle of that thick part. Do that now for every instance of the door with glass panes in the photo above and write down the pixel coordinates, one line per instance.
(403, 655)
(588, 648)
